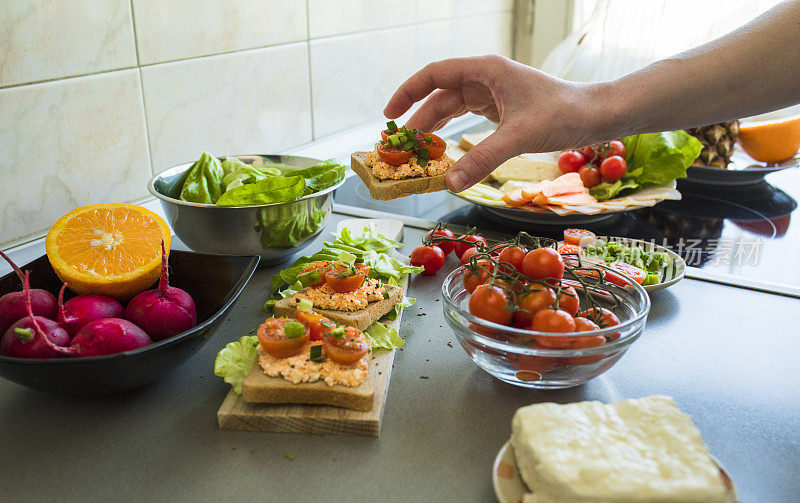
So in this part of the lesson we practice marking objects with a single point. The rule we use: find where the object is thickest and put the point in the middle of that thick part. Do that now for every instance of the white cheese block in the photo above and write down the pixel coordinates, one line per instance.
(641, 450)
(529, 168)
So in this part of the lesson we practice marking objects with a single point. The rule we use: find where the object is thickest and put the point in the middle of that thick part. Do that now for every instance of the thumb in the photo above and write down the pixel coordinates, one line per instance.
(480, 160)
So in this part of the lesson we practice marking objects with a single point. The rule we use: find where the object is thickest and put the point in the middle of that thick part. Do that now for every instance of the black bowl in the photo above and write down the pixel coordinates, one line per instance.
(213, 281)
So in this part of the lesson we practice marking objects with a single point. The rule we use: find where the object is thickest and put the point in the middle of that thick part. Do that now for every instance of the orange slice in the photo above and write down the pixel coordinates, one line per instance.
(108, 249)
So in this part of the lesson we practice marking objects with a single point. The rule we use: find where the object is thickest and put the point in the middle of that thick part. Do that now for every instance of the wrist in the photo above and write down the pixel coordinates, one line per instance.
(609, 115)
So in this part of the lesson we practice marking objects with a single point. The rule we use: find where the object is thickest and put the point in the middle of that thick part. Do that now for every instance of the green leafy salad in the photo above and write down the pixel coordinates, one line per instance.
(234, 183)
(653, 263)
(653, 159)
(235, 360)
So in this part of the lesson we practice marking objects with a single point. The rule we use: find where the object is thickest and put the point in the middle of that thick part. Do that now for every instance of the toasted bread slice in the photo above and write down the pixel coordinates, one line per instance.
(360, 319)
(258, 387)
(383, 190)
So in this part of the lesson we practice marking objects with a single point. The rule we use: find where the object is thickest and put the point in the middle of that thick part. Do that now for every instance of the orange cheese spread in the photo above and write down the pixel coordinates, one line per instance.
(299, 368)
(411, 169)
(324, 297)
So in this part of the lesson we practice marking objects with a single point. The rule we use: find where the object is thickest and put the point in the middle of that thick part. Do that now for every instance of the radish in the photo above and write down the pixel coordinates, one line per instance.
(164, 311)
(78, 311)
(33, 336)
(12, 305)
(108, 336)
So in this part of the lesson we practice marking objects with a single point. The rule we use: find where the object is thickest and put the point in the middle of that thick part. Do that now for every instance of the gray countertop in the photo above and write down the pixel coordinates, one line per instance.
(729, 356)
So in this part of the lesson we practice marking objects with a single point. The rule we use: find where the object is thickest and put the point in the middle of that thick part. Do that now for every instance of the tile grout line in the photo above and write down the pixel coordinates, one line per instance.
(310, 81)
(141, 89)
(234, 51)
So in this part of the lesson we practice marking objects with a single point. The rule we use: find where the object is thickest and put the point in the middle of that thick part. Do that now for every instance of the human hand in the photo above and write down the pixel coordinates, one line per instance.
(534, 111)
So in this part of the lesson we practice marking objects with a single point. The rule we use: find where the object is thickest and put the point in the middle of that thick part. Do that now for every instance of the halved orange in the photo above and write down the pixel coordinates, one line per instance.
(108, 249)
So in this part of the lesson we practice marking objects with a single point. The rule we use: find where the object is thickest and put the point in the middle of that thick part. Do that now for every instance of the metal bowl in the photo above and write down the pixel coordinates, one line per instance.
(244, 230)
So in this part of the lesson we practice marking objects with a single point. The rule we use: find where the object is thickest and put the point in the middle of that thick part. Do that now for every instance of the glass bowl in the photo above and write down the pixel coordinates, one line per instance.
(509, 354)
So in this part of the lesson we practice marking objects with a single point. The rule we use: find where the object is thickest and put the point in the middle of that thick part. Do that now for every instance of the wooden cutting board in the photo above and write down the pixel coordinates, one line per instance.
(236, 414)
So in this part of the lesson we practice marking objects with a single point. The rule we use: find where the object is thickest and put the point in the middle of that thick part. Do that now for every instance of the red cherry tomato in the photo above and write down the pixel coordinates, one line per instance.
(616, 147)
(347, 349)
(532, 367)
(613, 168)
(590, 176)
(321, 268)
(585, 324)
(633, 272)
(541, 297)
(570, 161)
(490, 303)
(429, 257)
(468, 255)
(272, 336)
(436, 146)
(552, 320)
(514, 255)
(473, 278)
(317, 324)
(446, 246)
(579, 237)
(543, 263)
(603, 318)
(568, 301)
(393, 156)
(591, 155)
(342, 281)
(462, 247)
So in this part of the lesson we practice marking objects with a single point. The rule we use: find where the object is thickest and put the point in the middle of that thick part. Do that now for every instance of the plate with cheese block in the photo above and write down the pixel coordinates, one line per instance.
(404, 162)
(636, 450)
(321, 362)
(585, 185)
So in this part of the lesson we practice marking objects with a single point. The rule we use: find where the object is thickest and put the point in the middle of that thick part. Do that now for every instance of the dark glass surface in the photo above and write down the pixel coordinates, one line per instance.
(741, 230)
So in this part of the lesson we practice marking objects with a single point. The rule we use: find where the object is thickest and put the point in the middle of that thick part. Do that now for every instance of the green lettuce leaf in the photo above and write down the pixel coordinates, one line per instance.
(242, 175)
(368, 240)
(235, 361)
(384, 337)
(321, 175)
(290, 225)
(384, 267)
(659, 158)
(274, 189)
(203, 184)
(608, 190)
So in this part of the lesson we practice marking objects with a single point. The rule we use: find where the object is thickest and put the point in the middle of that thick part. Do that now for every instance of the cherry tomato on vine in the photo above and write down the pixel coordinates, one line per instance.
(613, 168)
(590, 176)
(446, 246)
(635, 273)
(604, 318)
(541, 297)
(616, 147)
(579, 237)
(490, 303)
(552, 320)
(570, 161)
(468, 253)
(591, 155)
(474, 278)
(585, 324)
(568, 301)
(429, 257)
(462, 247)
(543, 263)
(514, 255)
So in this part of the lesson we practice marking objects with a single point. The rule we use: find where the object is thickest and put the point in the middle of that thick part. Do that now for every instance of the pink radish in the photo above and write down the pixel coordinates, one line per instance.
(12, 305)
(164, 311)
(78, 311)
(33, 336)
(108, 336)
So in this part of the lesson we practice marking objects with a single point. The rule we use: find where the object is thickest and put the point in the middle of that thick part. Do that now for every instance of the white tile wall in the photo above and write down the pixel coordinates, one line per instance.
(68, 143)
(46, 40)
(179, 29)
(348, 90)
(247, 102)
(220, 75)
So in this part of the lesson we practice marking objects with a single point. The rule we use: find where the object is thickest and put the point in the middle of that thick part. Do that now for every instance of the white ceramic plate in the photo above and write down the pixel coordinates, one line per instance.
(673, 273)
(509, 487)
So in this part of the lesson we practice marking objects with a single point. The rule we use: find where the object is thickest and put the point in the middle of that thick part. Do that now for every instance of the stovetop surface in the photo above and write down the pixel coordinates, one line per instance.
(746, 230)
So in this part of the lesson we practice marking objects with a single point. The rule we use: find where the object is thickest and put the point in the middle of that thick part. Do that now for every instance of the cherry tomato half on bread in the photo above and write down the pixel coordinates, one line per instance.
(570, 161)
(393, 156)
(429, 257)
(490, 303)
(317, 279)
(282, 337)
(579, 237)
(435, 145)
(345, 345)
(462, 247)
(446, 246)
(543, 263)
(317, 324)
(343, 281)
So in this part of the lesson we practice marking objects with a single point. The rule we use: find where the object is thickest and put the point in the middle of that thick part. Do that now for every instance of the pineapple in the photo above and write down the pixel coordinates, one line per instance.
(718, 141)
